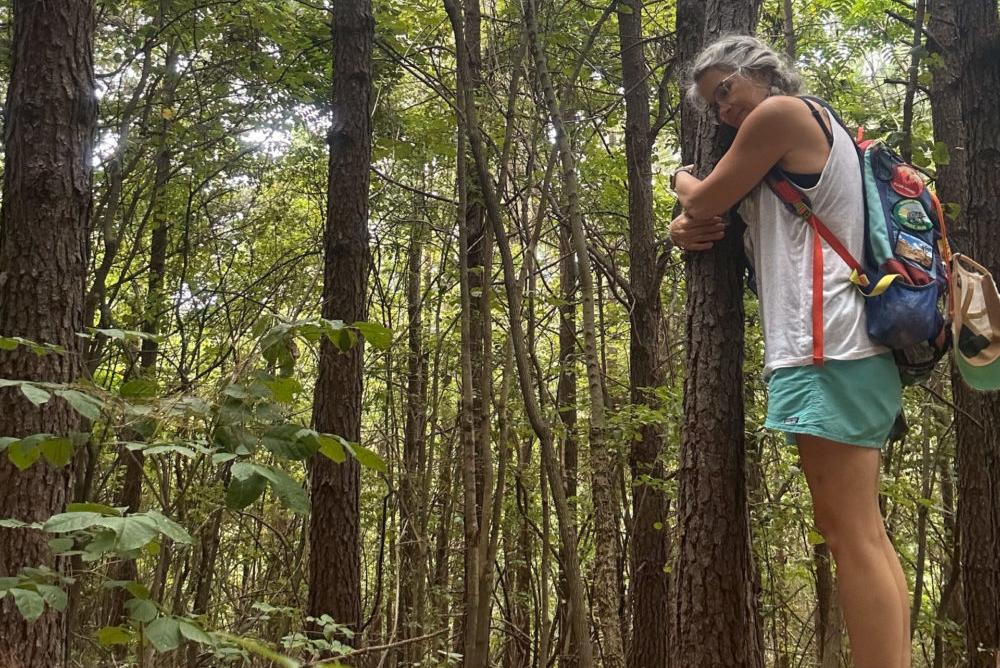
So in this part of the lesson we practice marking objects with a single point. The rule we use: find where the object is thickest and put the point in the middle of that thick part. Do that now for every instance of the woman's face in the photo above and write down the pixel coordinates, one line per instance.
(732, 95)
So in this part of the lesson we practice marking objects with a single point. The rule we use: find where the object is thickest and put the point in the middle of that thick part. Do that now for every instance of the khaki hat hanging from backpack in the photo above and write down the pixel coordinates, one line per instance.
(975, 323)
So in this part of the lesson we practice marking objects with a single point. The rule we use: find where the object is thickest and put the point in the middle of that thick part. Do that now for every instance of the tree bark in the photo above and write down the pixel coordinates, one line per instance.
(334, 532)
(977, 423)
(650, 547)
(716, 617)
(51, 114)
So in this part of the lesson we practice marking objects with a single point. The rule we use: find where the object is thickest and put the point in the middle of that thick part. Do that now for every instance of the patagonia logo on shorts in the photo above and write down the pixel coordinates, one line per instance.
(791, 420)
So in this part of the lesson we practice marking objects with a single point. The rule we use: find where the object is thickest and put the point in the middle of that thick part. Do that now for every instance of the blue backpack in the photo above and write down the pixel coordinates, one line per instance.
(904, 273)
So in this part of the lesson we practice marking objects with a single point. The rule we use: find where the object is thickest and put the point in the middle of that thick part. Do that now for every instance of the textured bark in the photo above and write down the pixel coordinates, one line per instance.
(788, 15)
(716, 617)
(603, 489)
(334, 560)
(950, 184)
(977, 423)
(566, 400)
(51, 114)
(650, 548)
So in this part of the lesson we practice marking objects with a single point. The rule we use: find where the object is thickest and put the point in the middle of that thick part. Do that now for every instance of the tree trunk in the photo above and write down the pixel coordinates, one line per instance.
(44, 231)
(334, 533)
(413, 550)
(650, 548)
(977, 423)
(542, 429)
(829, 619)
(912, 75)
(716, 617)
(603, 490)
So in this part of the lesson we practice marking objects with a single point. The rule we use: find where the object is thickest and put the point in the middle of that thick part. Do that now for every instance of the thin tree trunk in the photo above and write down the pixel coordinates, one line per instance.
(412, 548)
(50, 115)
(334, 531)
(602, 466)
(788, 14)
(650, 547)
(829, 619)
(912, 75)
(542, 429)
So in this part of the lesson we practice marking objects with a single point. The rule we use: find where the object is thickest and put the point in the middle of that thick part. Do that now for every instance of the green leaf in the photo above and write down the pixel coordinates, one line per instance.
(137, 589)
(6, 441)
(283, 441)
(283, 390)
(378, 336)
(169, 528)
(940, 155)
(7, 343)
(54, 596)
(84, 404)
(815, 537)
(244, 491)
(114, 635)
(139, 388)
(23, 453)
(61, 545)
(93, 508)
(288, 491)
(366, 457)
(29, 603)
(195, 633)
(141, 610)
(35, 394)
(71, 521)
(164, 634)
(131, 532)
(57, 450)
(330, 446)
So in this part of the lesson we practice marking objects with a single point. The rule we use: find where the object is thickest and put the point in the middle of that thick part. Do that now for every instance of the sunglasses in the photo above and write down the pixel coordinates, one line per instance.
(721, 93)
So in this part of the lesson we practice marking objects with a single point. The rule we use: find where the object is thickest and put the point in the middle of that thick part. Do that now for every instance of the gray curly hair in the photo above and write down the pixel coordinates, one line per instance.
(743, 53)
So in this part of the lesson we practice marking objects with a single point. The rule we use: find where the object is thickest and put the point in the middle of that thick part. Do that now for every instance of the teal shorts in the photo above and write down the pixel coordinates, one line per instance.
(848, 401)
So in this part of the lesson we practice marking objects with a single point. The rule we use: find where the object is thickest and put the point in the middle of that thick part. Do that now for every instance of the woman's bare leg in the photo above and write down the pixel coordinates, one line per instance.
(843, 480)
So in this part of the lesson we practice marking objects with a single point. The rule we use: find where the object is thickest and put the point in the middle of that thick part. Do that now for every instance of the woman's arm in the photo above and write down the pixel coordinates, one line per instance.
(767, 134)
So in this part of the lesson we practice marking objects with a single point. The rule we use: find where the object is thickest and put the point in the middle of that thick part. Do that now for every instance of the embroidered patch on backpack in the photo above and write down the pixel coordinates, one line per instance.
(791, 420)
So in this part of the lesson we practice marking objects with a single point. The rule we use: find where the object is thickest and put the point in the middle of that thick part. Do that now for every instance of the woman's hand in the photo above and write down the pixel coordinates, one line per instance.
(693, 234)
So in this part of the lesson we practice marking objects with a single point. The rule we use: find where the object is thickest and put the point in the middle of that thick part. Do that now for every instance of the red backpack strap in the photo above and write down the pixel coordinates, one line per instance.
(797, 203)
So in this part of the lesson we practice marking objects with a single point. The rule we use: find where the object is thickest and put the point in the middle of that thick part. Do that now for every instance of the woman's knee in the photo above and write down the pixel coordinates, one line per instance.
(845, 532)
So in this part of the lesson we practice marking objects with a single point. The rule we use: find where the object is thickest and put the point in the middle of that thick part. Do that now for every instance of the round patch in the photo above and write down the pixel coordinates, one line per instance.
(909, 213)
(906, 181)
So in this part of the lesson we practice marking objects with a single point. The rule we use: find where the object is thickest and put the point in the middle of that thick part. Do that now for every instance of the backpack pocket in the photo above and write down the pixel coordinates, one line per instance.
(904, 314)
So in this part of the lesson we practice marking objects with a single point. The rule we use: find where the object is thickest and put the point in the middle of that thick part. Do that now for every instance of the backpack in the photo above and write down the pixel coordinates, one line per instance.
(904, 272)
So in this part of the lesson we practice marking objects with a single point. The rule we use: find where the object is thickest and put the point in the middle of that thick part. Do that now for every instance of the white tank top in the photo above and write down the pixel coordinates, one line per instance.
(780, 246)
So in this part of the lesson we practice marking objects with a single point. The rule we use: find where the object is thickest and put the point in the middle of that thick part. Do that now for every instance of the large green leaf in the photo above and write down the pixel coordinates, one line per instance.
(30, 604)
(35, 394)
(58, 450)
(141, 610)
(71, 521)
(82, 403)
(243, 491)
(378, 336)
(288, 491)
(164, 634)
(114, 635)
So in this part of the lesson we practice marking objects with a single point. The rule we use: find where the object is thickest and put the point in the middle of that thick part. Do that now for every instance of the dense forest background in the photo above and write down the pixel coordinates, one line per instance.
(408, 373)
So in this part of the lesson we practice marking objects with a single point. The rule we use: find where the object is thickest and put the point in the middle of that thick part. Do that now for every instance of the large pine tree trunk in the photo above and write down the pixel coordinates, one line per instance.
(977, 422)
(650, 603)
(716, 619)
(334, 534)
(51, 114)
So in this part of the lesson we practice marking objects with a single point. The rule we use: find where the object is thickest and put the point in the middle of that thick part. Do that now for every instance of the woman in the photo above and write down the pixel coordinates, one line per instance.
(838, 413)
